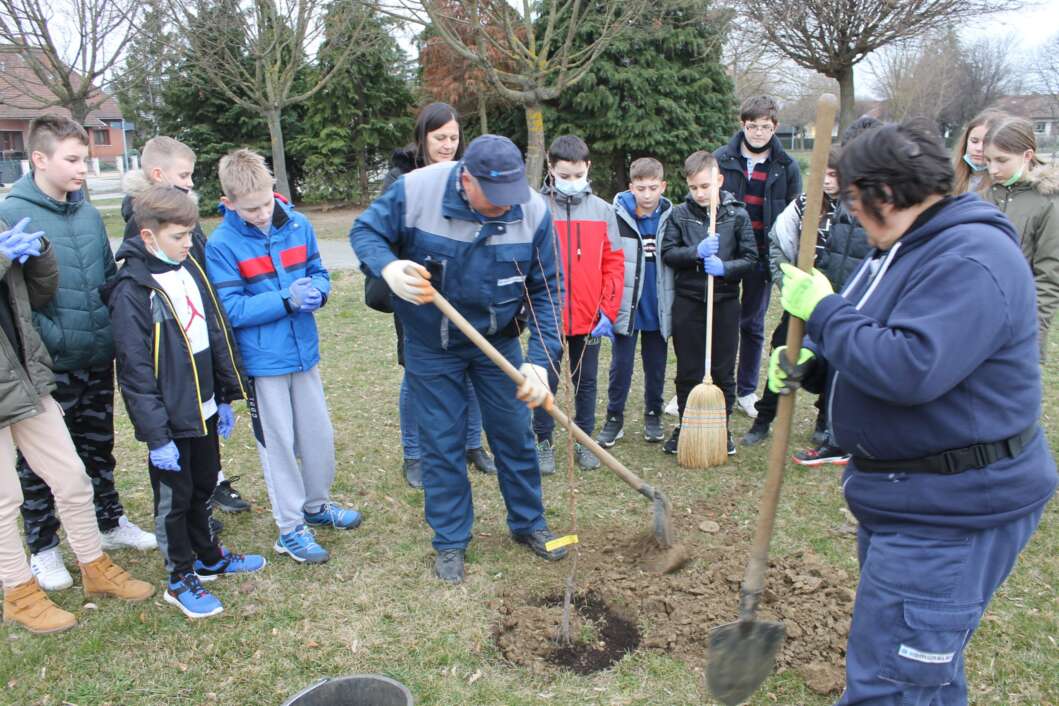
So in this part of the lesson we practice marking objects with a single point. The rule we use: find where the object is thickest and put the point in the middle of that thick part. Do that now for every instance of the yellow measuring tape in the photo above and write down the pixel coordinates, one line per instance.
(561, 542)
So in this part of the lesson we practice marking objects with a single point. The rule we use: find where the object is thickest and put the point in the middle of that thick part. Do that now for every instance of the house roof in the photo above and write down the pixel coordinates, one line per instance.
(23, 96)
(1030, 106)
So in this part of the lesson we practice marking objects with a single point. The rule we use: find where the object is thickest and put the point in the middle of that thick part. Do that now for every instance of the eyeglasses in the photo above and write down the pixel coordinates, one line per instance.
(759, 127)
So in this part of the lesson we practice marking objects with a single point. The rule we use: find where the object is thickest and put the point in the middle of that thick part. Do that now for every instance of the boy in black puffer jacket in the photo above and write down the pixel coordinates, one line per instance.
(692, 255)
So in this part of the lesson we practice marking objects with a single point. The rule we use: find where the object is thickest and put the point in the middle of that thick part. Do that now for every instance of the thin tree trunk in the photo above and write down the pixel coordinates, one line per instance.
(847, 97)
(279, 158)
(483, 114)
(535, 144)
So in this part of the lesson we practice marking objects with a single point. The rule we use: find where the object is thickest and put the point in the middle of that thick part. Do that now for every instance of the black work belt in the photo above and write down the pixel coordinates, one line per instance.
(953, 461)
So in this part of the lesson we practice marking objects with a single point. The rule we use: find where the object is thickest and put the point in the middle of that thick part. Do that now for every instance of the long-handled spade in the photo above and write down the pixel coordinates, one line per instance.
(742, 654)
(672, 555)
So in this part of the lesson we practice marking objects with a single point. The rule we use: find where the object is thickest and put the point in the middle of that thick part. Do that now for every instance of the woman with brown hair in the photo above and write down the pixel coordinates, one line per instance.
(968, 156)
(1027, 190)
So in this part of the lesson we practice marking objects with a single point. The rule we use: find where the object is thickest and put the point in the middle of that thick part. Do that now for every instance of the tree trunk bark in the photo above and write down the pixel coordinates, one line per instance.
(483, 113)
(279, 158)
(535, 144)
(846, 99)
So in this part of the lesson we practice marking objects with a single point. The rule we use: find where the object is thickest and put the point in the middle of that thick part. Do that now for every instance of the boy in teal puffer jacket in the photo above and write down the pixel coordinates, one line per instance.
(75, 328)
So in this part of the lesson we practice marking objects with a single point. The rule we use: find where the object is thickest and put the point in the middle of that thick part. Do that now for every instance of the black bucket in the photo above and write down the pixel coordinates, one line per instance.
(354, 690)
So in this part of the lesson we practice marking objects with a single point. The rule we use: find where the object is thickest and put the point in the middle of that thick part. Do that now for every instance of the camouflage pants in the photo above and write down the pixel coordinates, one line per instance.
(87, 399)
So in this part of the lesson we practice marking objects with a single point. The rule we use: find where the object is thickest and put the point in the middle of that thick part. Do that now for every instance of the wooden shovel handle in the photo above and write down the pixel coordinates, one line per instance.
(754, 579)
(450, 313)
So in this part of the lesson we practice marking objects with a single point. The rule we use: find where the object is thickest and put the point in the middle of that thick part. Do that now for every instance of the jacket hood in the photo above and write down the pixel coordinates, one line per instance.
(403, 159)
(27, 190)
(1045, 178)
(956, 211)
(627, 201)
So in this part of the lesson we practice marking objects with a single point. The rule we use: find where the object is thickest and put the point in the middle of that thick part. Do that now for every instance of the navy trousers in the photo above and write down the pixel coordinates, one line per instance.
(653, 352)
(918, 603)
(584, 364)
(754, 303)
(438, 385)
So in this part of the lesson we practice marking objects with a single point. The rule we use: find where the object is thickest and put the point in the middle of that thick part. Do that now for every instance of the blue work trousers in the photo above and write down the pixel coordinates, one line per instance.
(410, 425)
(436, 380)
(918, 603)
(653, 352)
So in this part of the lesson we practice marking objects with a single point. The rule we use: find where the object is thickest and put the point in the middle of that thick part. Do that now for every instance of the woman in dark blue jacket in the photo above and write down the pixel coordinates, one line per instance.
(935, 389)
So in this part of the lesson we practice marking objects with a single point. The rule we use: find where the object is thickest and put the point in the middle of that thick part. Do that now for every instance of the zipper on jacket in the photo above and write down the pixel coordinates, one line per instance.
(191, 356)
(220, 320)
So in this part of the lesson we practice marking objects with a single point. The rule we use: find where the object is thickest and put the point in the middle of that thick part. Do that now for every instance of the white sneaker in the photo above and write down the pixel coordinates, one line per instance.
(50, 571)
(672, 409)
(746, 405)
(128, 535)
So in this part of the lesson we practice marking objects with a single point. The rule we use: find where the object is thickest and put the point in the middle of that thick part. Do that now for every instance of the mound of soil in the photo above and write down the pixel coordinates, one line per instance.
(675, 612)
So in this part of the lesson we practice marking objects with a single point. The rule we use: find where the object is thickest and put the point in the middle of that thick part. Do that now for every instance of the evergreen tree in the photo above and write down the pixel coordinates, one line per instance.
(149, 62)
(349, 129)
(658, 90)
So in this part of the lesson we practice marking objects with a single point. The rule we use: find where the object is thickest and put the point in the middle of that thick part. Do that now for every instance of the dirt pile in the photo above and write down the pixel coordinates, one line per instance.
(675, 612)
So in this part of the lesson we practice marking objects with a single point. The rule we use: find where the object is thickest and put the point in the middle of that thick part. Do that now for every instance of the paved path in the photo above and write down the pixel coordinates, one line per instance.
(336, 254)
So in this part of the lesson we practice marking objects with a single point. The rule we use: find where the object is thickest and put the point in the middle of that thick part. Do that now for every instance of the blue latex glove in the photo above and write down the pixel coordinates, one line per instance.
(166, 458)
(225, 420)
(313, 301)
(708, 247)
(604, 329)
(713, 266)
(16, 244)
(299, 290)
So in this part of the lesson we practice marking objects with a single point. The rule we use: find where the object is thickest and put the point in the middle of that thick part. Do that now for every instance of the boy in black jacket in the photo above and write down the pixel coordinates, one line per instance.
(692, 255)
(178, 371)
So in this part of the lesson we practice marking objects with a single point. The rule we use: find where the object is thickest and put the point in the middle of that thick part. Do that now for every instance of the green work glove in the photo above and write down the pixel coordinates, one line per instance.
(783, 378)
(802, 292)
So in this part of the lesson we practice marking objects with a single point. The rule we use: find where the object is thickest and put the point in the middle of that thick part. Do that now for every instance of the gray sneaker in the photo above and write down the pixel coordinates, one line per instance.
(546, 458)
(585, 458)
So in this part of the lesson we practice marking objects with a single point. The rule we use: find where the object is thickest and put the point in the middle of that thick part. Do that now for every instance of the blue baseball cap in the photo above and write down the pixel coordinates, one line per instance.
(497, 164)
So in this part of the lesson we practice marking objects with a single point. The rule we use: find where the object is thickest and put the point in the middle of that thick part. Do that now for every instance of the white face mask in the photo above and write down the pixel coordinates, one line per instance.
(571, 187)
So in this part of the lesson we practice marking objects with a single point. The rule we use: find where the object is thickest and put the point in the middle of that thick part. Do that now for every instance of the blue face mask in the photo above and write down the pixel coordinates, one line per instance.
(164, 258)
(571, 187)
(974, 167)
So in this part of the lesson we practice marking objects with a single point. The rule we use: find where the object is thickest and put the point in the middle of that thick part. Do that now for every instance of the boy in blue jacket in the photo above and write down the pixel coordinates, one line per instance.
(264, 261)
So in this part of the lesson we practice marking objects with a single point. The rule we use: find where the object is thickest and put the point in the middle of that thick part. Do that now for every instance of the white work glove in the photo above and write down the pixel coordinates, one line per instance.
(534, 390)
(409, 280)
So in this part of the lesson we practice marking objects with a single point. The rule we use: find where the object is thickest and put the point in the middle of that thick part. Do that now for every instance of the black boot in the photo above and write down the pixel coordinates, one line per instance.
(758, 432)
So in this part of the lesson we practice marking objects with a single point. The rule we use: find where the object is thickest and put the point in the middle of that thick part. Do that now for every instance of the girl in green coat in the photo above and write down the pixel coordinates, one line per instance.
(1027, 190)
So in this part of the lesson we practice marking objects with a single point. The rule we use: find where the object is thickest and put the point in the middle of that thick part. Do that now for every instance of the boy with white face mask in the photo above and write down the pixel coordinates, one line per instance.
(593, 270)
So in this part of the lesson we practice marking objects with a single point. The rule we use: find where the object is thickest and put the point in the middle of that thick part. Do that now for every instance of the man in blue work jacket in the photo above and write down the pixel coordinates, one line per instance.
(474, 231)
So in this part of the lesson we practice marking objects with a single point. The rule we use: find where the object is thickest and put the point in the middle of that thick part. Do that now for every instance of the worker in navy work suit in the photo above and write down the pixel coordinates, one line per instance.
(479, 235)
(935, 388)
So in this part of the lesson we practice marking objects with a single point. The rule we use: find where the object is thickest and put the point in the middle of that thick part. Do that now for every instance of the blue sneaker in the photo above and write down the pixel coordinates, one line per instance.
(191, 598)
(333, 515)
(300, 544)
(230, 564)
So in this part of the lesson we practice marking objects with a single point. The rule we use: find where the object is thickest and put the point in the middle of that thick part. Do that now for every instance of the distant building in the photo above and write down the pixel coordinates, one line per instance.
(22, 97)
(1041, 110)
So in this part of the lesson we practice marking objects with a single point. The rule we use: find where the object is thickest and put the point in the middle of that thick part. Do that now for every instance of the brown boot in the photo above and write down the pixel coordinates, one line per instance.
(27, 605)
(103, 577)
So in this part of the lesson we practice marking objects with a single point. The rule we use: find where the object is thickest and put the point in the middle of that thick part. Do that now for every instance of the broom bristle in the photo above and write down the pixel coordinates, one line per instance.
(703, 441)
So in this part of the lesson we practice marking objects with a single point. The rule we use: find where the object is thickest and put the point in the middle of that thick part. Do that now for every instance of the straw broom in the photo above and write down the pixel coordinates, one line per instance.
(703, 441)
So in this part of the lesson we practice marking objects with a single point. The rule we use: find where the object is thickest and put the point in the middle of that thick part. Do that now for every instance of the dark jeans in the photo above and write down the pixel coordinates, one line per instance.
(653, 352)
(689, 342)
(768, 404)
(584, 362)
(87, 400)
(754, 305)
(182, 503)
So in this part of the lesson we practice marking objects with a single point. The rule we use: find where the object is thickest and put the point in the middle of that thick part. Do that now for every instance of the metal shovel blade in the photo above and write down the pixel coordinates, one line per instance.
(741, 656)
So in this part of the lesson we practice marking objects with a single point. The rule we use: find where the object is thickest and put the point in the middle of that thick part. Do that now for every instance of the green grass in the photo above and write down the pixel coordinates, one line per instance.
(376, 608)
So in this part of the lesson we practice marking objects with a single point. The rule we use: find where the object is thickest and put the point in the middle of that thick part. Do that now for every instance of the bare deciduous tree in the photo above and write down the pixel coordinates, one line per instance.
(833, 36)
(71, 49)
(257, 55)
(538, 62)
(919, 77)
